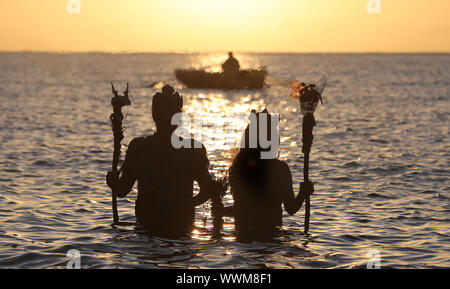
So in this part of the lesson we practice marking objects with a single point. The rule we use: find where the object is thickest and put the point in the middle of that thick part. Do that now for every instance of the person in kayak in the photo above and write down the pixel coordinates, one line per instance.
(259, 188)
(231, 65)
(165, 205)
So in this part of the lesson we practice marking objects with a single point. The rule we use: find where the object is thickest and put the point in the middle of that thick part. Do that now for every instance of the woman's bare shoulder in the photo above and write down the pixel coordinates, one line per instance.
(282, 166)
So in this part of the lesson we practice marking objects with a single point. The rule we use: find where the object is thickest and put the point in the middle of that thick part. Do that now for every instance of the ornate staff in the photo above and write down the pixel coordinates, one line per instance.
(309, 97)
(117, 102)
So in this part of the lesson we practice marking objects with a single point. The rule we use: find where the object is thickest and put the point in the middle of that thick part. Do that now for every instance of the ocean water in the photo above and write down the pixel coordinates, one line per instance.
(380, 161)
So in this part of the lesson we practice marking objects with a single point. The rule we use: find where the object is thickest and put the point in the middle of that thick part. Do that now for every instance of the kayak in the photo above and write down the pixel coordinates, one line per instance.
(244, 79)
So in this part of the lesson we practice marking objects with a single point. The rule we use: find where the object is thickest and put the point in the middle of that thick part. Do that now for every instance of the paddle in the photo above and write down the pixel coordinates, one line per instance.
(309, 97)
(117, 102)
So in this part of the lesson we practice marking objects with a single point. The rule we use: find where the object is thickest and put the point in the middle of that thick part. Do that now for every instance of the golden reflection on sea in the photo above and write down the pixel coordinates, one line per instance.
(218, 121)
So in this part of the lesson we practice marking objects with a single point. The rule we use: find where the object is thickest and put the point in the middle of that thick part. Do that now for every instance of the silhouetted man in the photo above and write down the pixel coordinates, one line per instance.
(165, 203)
(231, 65)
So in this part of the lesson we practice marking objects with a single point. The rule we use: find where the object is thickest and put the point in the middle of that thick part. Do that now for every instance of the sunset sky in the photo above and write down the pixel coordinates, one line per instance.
(222, 25)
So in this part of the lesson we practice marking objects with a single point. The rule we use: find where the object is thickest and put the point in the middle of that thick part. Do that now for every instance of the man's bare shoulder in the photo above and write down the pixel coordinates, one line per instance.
(139, 143)
(197, 152)
(190, 143)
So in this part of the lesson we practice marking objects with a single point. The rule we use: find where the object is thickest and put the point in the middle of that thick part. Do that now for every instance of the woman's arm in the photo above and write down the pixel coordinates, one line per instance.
(291, 202)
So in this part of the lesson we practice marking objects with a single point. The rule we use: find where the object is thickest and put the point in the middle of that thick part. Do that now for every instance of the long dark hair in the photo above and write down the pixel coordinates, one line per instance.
(248, 171)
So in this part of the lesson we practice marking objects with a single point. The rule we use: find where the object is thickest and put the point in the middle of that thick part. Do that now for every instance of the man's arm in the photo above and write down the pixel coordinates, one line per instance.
(209, 188)
(236, 64)
(122, 185)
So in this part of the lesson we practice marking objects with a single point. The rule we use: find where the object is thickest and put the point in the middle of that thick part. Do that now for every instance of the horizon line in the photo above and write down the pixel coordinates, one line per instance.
(222, 52)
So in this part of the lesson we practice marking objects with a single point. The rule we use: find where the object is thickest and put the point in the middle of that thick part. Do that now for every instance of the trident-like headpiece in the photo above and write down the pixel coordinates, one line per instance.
(120, 100)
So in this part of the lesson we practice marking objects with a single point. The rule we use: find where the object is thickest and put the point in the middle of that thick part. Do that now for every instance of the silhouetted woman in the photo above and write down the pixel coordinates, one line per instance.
(259, 188)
